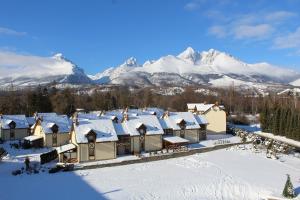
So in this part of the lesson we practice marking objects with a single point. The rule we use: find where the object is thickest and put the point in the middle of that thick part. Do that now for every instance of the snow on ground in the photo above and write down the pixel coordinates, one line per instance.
(224, 174)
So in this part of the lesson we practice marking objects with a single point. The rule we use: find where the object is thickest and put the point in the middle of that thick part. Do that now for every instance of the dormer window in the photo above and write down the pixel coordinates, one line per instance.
(91, 136)
(115, 119)
(54, 128)
(142, 131)
(181, 123)
(141, 128)
(12, 125)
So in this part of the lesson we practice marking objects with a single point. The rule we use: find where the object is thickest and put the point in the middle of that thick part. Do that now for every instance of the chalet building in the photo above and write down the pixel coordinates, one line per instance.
(138, 133)
(94, 139)
(54, 129)
(214, 114)
(13, 127)
(182, 124)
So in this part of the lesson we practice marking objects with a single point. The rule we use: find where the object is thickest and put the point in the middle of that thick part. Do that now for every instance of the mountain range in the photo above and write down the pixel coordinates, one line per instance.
(191, 67)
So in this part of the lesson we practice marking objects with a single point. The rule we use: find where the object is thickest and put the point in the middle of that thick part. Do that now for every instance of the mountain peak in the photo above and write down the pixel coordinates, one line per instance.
(213, 51)
(130, 62)
(58, 56)
(189, 54)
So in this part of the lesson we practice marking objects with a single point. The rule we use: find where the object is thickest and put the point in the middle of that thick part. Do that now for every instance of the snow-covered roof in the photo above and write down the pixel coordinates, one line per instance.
(90, 116)
(171, 121)
(20, 120)
(201, 119)
(32, 138)
(175, 139)
(134, 112)
(200, 106)
(130, 127)
(64, 148)
(153, 110)
(104, 129)
(120, 129)
(30, 120)
(62, 121)
(47, 114)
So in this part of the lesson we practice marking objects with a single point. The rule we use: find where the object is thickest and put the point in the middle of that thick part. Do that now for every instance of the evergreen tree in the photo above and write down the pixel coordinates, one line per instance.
(288, 191)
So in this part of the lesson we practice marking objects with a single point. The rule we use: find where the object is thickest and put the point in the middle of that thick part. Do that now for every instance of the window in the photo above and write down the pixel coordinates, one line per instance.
(182, 133)
(91, 138)
(203, 127)
(91, 151)
(168, 131)
(142, 131)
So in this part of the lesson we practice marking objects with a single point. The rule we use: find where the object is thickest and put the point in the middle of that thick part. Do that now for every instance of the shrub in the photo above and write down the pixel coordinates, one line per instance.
(16, 172)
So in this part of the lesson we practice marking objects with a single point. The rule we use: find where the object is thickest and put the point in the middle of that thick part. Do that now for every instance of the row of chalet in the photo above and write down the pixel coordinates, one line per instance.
(106, 135)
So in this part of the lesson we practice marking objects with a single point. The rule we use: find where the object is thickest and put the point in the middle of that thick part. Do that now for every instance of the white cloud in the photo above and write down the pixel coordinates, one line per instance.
(291, 40)
(279, 16)
(254, 26)
(259, 31)
(194, 5)
(15, 65)
(218, 31)
(7, 31)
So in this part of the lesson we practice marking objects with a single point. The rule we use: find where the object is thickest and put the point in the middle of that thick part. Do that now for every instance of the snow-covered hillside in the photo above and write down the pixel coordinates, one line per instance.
(296, 82)
(26, 70)
(231, 174)
(193, 67)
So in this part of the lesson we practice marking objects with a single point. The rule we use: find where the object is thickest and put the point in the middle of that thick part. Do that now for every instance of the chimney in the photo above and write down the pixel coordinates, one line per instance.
(204, 102)
(75, 118)
(166, 115)
(125, 117)
(35, 115)
(217, 103)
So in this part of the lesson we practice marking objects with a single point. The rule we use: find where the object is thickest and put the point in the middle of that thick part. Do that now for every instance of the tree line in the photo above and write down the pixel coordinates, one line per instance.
(281, 119)
(65, 101)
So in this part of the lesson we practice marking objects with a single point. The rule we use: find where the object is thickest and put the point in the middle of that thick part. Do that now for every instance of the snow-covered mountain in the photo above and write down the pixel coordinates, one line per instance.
(27, 70)
(210, 67)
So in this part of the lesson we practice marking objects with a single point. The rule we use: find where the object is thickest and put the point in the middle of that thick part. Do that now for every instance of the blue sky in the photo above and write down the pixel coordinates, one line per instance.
(99, 34)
